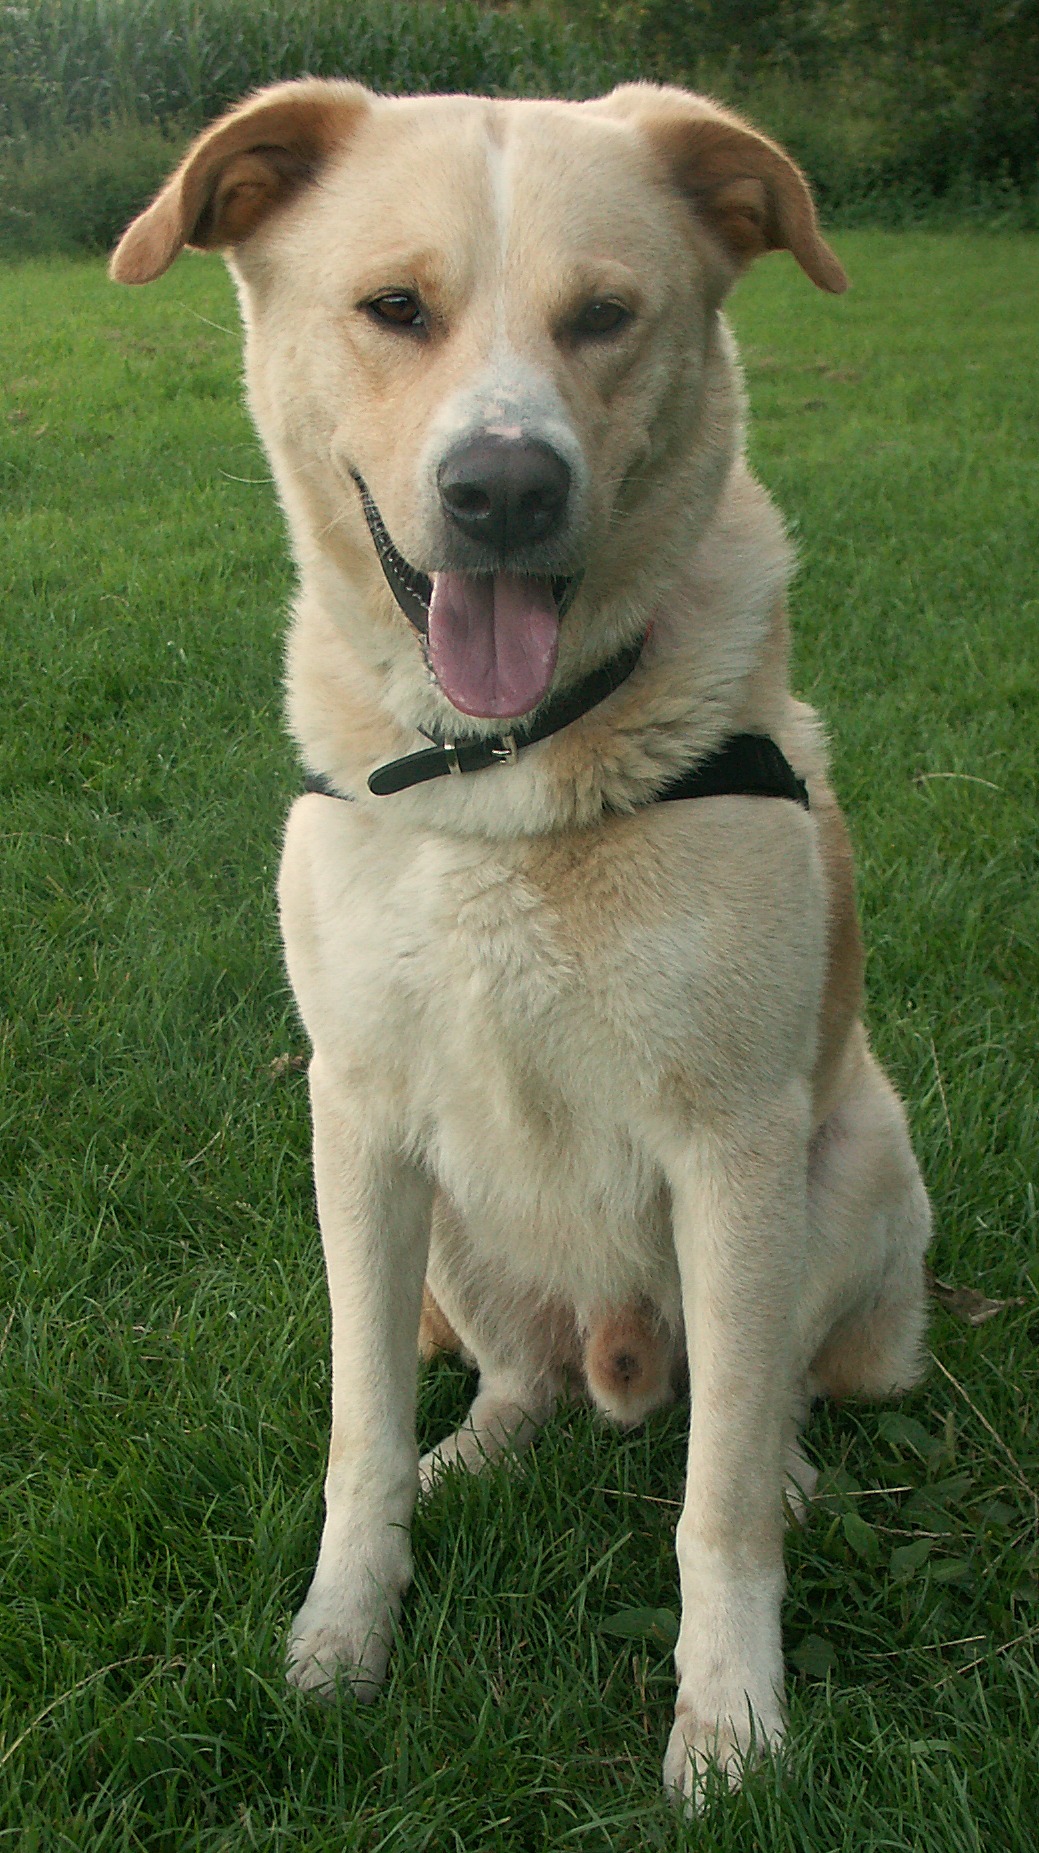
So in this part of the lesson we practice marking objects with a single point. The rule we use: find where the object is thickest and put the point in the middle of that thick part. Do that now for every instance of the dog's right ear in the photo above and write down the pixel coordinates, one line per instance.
(248, 162)
(746, 191)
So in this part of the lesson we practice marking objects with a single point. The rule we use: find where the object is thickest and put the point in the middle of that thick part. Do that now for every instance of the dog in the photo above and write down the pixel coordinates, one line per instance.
(568, 904)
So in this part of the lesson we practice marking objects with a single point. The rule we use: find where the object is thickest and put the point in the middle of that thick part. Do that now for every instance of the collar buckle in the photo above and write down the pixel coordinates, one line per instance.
(474, 755)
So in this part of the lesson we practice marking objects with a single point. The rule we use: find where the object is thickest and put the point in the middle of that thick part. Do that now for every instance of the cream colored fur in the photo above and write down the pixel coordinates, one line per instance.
(588, 1066)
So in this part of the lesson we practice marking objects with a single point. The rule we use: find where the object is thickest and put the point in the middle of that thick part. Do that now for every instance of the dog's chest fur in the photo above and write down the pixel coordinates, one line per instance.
(530, 1017)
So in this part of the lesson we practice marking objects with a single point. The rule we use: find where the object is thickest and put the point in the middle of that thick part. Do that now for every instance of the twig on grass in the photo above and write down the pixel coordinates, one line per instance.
(941, 1089)
(219, 326)
(1004, 1648)
(971, 778)
(81, 1684)
(899, 1531)
(641, 1669)
(188, 1162)
(968, 1303)
(619, 1492)
(862, 1492)
(986, 1424)
(929, 1647)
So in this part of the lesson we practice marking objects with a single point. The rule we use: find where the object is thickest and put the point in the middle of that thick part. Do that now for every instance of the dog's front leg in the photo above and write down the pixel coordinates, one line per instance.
(739, 1206)
(374, 1209)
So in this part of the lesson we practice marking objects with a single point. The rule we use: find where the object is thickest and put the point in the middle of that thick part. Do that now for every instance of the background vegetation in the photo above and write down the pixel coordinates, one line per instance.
(163, 1316)
(898, 109)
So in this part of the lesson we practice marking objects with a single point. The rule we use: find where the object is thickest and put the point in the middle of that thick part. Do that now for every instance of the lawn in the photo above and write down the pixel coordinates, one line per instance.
(164, 1340)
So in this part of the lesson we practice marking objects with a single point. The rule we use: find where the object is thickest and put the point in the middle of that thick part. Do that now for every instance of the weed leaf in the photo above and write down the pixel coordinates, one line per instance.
(657, 1625)
(862, 1537)
(909, 1558)
(952, 1570)
(903, 1432)
(814, 1656)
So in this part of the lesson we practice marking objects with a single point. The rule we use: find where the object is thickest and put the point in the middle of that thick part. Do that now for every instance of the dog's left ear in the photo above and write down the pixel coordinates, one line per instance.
(253, 159)
(745, 189)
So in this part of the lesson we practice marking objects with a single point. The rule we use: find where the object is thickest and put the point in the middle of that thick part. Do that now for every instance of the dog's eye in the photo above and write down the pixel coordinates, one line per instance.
(398, 308)
(602, 316)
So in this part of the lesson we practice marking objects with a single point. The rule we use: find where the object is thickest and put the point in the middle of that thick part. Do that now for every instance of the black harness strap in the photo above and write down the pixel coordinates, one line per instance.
(748, 765)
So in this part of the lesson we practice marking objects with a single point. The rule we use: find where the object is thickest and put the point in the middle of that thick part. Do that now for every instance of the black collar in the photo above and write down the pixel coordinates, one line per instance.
(475, 755)
(743, 766)
(413, 591)
(746, 765)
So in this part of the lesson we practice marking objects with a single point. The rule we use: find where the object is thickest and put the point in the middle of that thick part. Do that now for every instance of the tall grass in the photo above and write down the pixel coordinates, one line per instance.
(98, 96)
(67, 65)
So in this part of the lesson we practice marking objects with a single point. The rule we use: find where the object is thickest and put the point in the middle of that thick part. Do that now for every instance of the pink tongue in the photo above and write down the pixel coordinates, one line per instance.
(493, 642)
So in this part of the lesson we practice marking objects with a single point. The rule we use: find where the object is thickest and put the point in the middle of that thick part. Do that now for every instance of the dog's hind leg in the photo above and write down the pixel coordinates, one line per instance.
(523, 1348)
(868, 1203)
(502, 1416)
(865, 1305)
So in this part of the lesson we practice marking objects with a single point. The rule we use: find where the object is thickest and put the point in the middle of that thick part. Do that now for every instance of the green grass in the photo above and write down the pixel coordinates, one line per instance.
(164, 1344)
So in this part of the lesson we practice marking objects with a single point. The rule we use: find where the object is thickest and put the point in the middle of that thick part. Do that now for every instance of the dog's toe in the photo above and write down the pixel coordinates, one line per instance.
(323, 1653)
(697, 1748)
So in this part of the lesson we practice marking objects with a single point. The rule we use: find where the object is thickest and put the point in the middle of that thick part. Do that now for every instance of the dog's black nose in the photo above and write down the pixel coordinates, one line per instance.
(508, 493)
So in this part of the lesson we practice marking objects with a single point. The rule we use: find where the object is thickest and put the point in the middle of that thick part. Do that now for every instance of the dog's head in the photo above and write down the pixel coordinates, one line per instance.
(484, 345)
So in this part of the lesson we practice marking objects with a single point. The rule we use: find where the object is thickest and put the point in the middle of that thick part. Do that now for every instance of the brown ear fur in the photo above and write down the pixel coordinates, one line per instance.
(748, 192)
(250, 161)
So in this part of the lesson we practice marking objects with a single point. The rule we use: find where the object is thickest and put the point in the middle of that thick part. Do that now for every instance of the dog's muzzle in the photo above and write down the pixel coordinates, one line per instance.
(412, 589)
(491, 636)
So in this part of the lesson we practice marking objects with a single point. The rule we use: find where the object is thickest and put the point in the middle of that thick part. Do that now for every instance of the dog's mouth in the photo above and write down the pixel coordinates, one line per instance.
(491, 638)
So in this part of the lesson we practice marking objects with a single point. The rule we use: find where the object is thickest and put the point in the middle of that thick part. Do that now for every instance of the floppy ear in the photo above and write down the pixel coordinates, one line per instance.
(251, 160)
(748, 193)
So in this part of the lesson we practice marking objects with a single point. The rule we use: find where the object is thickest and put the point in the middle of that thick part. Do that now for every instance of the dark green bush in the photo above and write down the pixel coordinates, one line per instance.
(97, 97)
(955, 86)
(81, 192)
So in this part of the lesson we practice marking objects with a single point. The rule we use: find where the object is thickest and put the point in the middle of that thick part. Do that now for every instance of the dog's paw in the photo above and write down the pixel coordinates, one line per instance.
(439, 1461)
(326, 1645)
(497, 1424)
(697, 1747)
